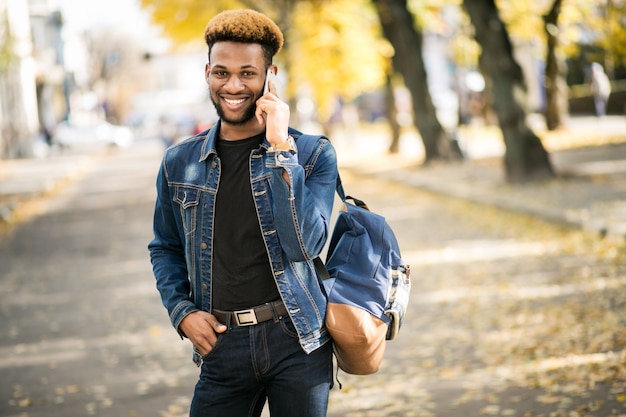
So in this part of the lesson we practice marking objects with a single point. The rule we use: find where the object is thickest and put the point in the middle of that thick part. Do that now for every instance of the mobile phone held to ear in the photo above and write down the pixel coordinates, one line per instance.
(270, 77)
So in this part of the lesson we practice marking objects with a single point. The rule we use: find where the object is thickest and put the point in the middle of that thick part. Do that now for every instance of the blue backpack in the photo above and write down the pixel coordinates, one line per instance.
(366, 281)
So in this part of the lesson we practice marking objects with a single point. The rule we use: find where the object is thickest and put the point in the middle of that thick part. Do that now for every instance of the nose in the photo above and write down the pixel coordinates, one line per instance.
(233, 84)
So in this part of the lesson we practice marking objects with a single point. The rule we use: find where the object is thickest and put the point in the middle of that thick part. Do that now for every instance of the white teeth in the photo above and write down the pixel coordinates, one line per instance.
(234, 102)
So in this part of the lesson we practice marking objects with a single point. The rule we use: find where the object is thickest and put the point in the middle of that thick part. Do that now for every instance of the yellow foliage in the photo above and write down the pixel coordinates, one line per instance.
(183, 21)
(580, 22)
(340, 53)
(334, 48)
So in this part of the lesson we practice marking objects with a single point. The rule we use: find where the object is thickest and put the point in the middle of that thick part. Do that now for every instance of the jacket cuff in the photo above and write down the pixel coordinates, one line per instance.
(182, 310)
(281, 159)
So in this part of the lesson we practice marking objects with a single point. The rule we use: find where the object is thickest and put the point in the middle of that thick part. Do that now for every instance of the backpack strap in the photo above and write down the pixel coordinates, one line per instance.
(321, 268)
(339, 188)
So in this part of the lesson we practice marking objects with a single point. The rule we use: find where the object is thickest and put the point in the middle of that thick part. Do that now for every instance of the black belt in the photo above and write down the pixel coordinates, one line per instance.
(251, 316)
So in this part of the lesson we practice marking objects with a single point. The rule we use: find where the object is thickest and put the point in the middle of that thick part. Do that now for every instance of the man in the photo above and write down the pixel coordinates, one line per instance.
(237, 222)
(600, 88)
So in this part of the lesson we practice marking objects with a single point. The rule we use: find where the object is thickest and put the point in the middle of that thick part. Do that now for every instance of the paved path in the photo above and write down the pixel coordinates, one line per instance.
(82, 329)
(589, 192)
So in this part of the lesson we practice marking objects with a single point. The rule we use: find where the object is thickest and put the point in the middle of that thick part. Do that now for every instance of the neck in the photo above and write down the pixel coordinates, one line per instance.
(239, 132)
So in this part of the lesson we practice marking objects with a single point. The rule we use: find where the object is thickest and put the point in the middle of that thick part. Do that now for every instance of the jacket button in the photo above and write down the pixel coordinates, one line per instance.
(205, 287)
(203, 246)
(213, 164)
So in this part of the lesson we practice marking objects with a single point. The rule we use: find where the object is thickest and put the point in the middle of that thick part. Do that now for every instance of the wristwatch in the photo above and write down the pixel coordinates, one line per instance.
(288, 145)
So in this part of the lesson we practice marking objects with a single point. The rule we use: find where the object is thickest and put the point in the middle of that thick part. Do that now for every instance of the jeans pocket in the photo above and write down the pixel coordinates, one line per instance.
(218, 343)
(288, 328)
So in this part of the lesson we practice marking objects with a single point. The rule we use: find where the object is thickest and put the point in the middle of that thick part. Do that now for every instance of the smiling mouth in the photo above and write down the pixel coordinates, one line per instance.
(234, 102)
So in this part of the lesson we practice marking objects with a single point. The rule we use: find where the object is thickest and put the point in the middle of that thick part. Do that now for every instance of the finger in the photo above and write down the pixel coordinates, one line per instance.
(259, 113)
(272, 87)
(206, 342)
(260, 117)
(205, 347)
(216, 325)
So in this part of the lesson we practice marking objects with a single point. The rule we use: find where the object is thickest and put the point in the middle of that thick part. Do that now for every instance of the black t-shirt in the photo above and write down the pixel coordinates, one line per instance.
(241, 275)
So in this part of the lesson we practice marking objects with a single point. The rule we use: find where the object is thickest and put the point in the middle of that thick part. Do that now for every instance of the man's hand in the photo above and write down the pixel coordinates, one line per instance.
(202, 328)
(274, 114)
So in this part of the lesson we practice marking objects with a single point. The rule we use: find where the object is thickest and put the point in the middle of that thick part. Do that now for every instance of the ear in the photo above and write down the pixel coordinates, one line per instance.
(207, 72)
(274, 69)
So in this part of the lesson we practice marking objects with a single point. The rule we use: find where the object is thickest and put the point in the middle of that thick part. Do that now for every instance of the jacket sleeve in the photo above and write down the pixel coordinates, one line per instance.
(168, 256)
(302, 210)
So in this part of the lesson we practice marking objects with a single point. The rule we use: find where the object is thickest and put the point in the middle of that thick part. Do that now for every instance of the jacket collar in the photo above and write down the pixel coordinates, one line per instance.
(209, 145)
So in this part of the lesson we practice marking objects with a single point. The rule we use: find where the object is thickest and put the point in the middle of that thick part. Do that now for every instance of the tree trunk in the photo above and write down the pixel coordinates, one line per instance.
(556, 88)
(399, 28)
(525, 157)
(392, 115)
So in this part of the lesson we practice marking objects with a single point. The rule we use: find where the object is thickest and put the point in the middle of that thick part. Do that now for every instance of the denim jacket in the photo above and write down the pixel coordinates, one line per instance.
(294, 220)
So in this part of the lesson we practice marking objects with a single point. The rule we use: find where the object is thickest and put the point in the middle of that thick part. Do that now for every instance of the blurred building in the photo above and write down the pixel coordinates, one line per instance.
(18, 97)
(52, 81)
(32, 77)
(56, 75)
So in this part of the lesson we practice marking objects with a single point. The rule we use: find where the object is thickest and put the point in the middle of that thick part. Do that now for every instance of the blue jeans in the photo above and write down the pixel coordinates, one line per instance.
(251, 364)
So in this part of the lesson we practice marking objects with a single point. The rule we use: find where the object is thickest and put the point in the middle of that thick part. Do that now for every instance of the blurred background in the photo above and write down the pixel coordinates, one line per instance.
(116, 71)
(423, 99)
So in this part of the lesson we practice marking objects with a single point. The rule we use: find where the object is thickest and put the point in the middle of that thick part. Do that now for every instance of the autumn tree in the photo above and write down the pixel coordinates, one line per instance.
(116, 70)
(556, 90)
(581, 31)
(391, 113)
(538, 24)
(603, 22)
(525, 157)
(400, 29)
(340, 53)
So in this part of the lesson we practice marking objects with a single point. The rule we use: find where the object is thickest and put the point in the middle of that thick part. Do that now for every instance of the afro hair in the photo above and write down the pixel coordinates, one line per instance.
(246, 26)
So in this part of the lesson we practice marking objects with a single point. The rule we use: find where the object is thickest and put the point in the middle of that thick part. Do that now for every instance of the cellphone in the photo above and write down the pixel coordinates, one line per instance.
(270, 76)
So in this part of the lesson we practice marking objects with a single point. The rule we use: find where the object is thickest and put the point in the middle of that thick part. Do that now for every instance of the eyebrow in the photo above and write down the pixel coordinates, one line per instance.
(242, 67)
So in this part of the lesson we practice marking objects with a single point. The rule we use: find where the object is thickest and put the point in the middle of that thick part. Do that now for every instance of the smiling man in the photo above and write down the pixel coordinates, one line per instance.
(237, 223)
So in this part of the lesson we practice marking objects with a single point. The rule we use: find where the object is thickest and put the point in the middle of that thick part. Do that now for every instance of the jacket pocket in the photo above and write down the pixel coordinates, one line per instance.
(188, 199)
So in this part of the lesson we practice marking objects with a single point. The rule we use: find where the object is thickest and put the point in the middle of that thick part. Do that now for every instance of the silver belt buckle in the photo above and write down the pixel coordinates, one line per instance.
(245, 317)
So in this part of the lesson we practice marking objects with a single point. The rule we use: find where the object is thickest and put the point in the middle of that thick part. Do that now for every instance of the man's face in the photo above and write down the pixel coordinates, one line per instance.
(236, 75)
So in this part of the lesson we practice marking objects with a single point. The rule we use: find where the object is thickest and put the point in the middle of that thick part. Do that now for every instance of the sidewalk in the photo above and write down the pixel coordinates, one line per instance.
(589, 192)
(22, 180)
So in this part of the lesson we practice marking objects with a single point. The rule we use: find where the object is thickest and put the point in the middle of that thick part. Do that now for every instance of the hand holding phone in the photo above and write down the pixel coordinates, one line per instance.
(272, 112)
(270, 76)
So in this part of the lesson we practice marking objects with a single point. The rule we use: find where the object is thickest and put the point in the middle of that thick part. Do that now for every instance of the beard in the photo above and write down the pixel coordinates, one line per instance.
(241, 118)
